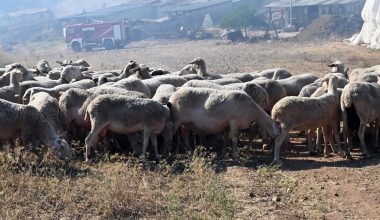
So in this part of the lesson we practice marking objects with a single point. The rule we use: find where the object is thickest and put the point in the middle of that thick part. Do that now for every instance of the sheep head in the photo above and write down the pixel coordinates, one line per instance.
(339, 67)
(62, 149)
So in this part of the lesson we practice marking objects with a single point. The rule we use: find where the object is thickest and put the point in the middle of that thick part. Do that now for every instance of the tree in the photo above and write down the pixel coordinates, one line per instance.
(243, 18)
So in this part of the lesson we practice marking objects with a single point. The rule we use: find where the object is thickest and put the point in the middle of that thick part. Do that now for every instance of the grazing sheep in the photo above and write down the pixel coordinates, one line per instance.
(360, 102)
(49, 108)
(202, 71)
(275, 74)
(155, 82)
(163, 93)
(274, 90)
(125, 115)
(294, 84)
(12, 92)
(225, 81)
(244, 77)
(30, 125)
(133, 84)
(192, 77)
(303, 113)
(57, 90)
(210, 111)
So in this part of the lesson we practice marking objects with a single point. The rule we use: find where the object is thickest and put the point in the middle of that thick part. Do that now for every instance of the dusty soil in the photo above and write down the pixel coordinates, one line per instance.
(332, 27)
(305, 188)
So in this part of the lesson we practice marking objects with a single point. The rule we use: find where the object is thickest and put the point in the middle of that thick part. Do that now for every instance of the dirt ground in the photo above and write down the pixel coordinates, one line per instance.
(305, 188)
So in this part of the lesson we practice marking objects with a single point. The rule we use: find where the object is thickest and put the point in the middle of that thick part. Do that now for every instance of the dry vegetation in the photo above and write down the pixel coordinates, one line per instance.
(197, 186)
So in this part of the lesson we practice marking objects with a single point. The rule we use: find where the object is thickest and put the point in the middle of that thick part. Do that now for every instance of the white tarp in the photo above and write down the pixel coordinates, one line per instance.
(370, 33)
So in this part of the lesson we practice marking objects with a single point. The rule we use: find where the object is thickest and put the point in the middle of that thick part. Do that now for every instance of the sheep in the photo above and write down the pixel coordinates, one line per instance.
(155, 82)
(26, 75)
(188, 69)
(29, 124)
(163, 93)
(202, 71)
(73, 104)
(43, 68)
(303, 113)
(357, 75)
(360, 101)
(133, 84)
(30, 84)
(294, 84)
(339, 67)
(125, 115)
(210, 111)
(49, 108)
(274, 89)
(308, 90)
(57, 90)
(244, 77)
(192, 76)
(225, 81)
(12, 92)
(126, 72)
(275, 74)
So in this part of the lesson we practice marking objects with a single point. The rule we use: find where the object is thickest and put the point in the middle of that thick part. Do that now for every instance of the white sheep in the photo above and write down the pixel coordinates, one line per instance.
(202, 71)
(57, 90)
(125, 115)
(303, 113)
(294, 84)
(13, 91)
(155, 82)
(31, 126)
(210, 111)
(49, 108)
(361, 101)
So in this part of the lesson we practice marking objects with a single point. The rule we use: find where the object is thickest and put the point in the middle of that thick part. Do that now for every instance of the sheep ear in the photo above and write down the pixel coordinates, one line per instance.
(96, 80)
(169, 105)
(331, 65)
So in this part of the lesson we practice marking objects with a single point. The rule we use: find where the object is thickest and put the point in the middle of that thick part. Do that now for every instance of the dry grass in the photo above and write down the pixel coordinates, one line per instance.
(4, 59)
(122, 188)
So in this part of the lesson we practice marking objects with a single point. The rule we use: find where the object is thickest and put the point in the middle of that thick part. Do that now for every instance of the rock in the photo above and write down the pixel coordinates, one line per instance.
(336, 194)
(276, 199)
(252, 195)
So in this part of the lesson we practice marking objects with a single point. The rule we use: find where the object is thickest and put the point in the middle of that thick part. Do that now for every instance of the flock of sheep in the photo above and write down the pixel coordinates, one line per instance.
(153, 107)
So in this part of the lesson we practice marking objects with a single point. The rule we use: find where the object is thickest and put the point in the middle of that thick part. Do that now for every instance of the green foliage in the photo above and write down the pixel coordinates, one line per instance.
(243, 18)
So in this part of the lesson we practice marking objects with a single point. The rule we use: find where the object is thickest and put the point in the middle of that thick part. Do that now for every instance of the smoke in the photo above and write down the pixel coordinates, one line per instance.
(70, 7)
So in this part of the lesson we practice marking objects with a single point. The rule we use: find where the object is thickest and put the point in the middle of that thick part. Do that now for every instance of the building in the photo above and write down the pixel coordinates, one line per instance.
(304, 12)
(27, 17)
(132, 11)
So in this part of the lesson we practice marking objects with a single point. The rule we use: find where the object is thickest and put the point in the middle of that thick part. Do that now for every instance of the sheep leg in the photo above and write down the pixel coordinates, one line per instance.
(319, 140)
(328, 140)
(311, 141)
(361, 133)
(337, 141)
(147, 133)
(377, 137)
(153, 139)
(234, 135)
(278, 143)
(92, 139)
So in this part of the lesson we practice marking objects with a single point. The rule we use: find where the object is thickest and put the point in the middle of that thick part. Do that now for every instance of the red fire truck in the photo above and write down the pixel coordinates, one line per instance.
(109, 35)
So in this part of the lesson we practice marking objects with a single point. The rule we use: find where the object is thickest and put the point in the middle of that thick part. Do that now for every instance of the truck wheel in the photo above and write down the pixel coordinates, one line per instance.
(108, 44)
(76, 46)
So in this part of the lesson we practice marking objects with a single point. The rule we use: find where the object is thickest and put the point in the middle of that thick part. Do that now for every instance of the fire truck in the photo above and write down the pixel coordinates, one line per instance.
(110, 35)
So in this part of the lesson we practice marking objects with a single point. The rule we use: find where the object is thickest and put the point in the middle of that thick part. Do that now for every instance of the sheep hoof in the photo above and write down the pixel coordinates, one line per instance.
(313, 153)
(349, 157)
(236, 158)
(277, 163)
(89, 160)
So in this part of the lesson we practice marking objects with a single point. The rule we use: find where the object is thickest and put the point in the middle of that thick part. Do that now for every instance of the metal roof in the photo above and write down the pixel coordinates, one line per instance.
(195, 6)
(110, 10)
(297, 3)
